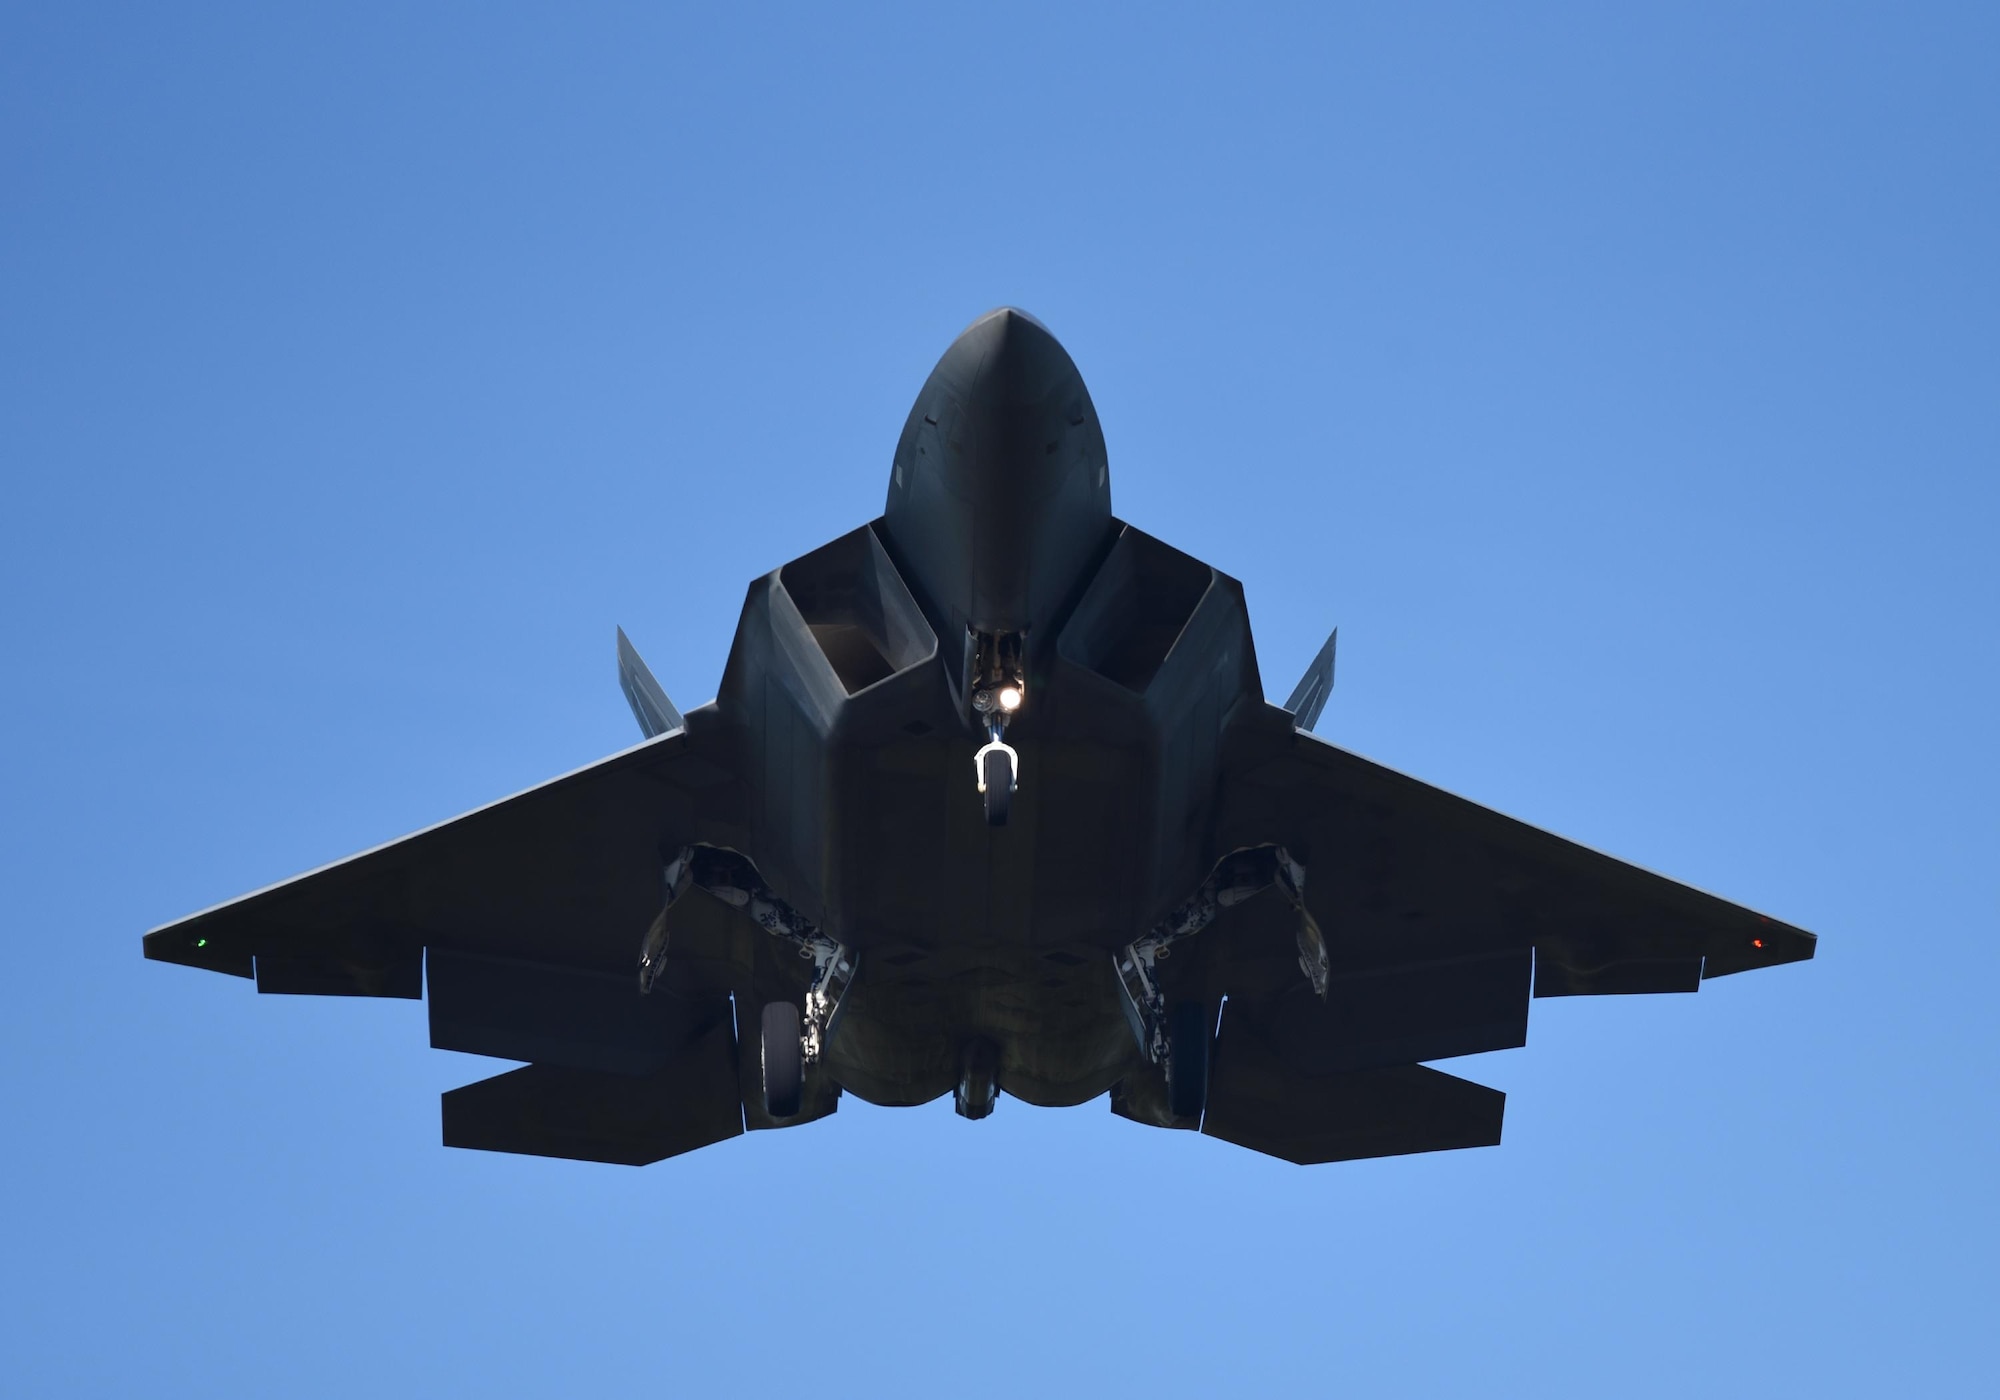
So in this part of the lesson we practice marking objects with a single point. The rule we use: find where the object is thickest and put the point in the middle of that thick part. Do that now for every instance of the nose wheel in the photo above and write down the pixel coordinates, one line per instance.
(999, 774)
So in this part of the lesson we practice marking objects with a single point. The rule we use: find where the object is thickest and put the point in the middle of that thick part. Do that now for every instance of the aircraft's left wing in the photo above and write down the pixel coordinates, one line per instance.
(1401, 873)
(1432, 910)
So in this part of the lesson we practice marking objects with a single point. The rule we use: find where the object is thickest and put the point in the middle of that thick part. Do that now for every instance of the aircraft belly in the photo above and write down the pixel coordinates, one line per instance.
(1053, 1014)
(968, 932)
(1006, 935)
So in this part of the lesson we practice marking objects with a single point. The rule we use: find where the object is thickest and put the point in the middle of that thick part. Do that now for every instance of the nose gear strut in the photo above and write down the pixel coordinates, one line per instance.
(1238, 876)
(732, 879)
(999, 687)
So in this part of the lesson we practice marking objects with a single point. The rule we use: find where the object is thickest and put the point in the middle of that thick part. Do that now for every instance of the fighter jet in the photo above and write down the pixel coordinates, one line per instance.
(990, 801)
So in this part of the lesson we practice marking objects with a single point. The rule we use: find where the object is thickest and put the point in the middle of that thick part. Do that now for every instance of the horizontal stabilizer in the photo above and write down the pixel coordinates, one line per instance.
(656, 714)
(1259, 1099)
(586, 1116)
(1309, 695)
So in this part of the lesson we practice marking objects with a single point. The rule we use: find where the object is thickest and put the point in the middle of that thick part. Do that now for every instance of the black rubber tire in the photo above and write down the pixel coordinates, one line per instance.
(1190, 1030)
(999, 794)
(784, 1060)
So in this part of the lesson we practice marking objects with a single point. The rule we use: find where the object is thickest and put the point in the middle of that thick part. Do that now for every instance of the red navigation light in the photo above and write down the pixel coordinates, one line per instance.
(1756, 943)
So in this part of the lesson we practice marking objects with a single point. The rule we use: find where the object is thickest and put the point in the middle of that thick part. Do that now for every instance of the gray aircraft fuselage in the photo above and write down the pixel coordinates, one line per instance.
(989, 800)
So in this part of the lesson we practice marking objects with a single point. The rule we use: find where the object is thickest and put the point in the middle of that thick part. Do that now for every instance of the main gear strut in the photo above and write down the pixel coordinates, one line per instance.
(1238, 876)
(731, 878)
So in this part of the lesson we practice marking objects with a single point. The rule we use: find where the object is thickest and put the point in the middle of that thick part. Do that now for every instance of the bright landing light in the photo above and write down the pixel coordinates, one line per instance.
(1010, 698)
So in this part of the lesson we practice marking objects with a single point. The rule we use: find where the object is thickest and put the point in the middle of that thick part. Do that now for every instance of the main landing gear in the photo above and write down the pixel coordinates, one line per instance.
(1177, 1035)
(1190, 1031)
(784, 1060)
(789, 1038)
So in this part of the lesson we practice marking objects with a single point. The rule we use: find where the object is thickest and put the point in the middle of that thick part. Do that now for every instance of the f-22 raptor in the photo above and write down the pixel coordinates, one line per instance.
(990, 801)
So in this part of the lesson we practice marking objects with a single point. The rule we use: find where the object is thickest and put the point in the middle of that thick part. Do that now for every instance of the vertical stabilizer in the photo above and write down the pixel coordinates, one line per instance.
(656, 714)
(1309, 695)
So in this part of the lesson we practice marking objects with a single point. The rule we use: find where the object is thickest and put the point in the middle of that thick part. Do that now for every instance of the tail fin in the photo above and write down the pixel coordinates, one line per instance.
(656, 714)
(1309, 695)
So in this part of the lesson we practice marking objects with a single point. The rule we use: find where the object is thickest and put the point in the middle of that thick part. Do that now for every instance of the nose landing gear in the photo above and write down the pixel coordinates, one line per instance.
(999, 687)
(997, 764)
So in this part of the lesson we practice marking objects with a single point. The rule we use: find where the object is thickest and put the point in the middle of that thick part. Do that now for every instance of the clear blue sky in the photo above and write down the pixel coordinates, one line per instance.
(1623, 380)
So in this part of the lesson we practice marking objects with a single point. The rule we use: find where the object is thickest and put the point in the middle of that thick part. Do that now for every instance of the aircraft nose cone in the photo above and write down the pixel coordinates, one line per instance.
(1008, 359)
(1006, 399)
(999, 495)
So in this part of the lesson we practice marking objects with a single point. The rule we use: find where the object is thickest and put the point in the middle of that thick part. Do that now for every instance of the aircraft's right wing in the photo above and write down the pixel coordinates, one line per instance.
(568, 872)
(525, 917)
